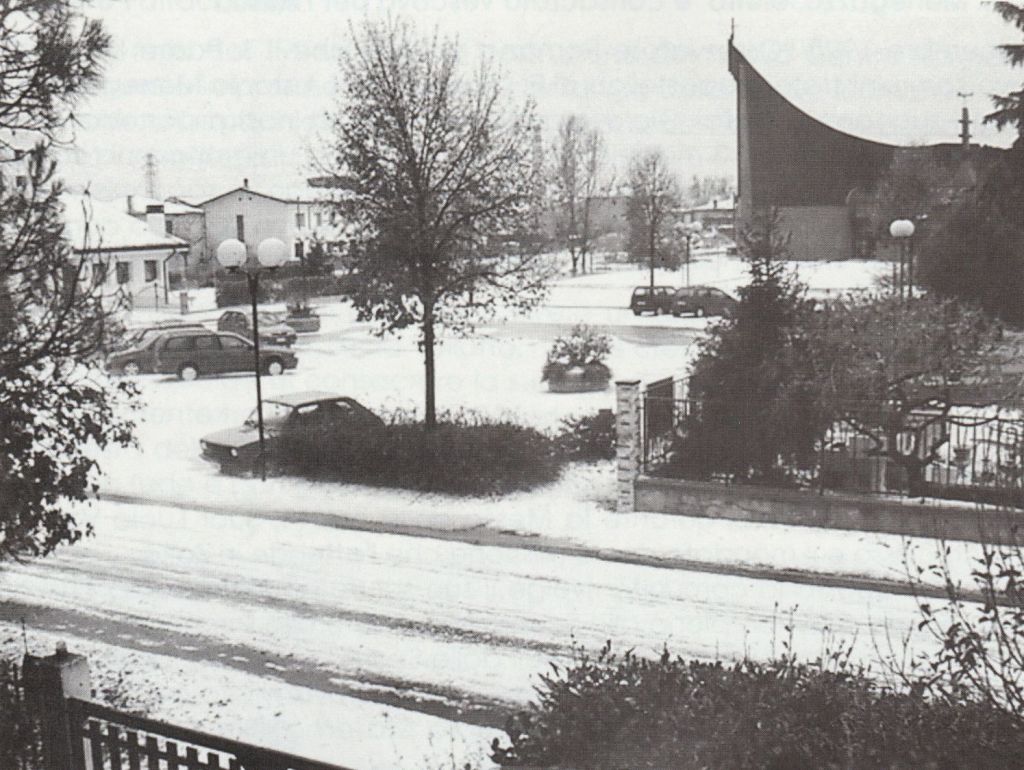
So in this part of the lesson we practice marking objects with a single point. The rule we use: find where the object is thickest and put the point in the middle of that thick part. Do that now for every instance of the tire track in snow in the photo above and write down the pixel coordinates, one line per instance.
(430, 698)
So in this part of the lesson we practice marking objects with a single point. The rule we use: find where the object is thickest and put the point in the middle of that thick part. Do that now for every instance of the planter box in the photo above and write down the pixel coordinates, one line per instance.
(579, 379)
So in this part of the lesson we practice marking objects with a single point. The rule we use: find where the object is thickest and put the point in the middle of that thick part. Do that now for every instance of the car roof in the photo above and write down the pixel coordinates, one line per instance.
(304, 397)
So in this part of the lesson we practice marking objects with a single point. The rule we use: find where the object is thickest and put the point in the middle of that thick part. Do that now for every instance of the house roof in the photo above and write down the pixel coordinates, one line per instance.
(140, 202)
(718, 203)
(296, 195)
(95, 225)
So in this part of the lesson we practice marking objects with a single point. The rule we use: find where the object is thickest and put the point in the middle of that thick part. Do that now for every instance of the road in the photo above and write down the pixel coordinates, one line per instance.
(444, 627)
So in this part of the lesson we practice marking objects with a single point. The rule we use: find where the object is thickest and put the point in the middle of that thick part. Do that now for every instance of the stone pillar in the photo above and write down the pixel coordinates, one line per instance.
(627, 443)
(49, 682)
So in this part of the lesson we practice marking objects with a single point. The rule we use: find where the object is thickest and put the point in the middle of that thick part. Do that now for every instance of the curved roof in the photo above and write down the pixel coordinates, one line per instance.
(787, 157)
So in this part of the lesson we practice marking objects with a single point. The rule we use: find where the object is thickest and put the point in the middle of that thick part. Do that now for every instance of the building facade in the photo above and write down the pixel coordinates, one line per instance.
(129, 256)
(297, 219)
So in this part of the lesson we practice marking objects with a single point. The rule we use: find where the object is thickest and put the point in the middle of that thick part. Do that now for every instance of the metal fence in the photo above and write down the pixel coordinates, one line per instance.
(973, 453)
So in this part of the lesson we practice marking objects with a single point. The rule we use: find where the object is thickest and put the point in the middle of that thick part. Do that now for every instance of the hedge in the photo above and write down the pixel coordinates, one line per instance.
(615, 712)
(234, 290)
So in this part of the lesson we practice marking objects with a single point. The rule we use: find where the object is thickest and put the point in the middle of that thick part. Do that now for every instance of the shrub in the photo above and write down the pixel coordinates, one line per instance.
(20, 738)
(466, 454)
(584, 347)
(628, 711)
(588, 437)
(234, 289)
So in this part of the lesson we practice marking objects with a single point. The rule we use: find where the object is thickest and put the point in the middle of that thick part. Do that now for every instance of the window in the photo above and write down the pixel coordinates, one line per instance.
(300, 219)
(179, 343)
(124, 272)
(150, 266)
(207, 342)
(233, 343)
(319, 219)
(300, 249)
(99, 272)
(240, 227)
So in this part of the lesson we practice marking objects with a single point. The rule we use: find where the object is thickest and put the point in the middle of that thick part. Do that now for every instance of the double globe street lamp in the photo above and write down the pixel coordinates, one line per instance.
(270, 254)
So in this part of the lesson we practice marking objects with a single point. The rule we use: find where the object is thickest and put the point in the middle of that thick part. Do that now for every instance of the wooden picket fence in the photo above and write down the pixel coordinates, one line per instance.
(105, 739)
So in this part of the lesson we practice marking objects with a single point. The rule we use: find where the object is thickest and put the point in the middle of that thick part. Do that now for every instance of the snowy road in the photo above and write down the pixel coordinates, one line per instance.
(446, 628)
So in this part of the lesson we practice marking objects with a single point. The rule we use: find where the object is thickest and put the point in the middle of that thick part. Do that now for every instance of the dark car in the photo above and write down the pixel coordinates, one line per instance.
(701, 301)
(190, 354)
(273, 330)
(647, 299)
(137, 353)
(236, 450)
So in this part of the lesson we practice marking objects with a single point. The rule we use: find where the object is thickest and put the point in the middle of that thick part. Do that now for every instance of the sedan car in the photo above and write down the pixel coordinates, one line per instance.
(190, 354)
(236, 450)
(701, 301)
(137, 355)
(273, 330)
(651, 299)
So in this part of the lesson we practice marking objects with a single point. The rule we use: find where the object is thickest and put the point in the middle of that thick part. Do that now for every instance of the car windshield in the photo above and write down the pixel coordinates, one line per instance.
(642, 292)
(274, 413)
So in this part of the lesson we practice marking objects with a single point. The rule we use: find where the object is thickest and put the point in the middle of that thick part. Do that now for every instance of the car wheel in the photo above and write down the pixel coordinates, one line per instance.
(274, 367)
(188, 372)
(131, 368)
(636, 312)
(699, 312)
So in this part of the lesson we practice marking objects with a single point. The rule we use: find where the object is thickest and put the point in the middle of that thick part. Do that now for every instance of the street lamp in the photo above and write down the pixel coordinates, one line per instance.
(270, 254)
(903, 230)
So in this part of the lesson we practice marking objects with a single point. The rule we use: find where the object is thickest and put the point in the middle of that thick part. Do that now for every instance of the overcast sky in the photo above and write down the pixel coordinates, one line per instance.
(219, 90)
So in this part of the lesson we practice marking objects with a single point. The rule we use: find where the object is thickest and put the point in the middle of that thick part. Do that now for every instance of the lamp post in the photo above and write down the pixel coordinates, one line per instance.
(270, 254)
(903, 230)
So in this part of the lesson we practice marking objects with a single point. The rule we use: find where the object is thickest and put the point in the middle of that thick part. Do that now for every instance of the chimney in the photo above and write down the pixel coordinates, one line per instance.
(155, 220)
(245, 183)
(131, 208)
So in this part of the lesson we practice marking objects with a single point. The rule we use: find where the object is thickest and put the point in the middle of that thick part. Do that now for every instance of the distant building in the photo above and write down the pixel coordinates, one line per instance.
(716, 213)
(825, 182)
(297, 218)
(184, 221)
(128, 255)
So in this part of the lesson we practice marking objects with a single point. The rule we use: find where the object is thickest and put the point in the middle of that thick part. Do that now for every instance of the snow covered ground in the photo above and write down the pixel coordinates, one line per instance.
(314, 591)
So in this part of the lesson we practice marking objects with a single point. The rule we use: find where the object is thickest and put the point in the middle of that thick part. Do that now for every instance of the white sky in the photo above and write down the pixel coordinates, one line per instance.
(219, 90)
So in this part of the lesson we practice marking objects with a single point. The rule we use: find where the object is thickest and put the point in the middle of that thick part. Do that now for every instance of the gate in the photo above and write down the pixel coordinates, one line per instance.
(664, 410)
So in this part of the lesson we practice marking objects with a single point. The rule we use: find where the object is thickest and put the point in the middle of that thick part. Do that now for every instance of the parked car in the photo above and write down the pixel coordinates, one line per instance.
(273, 330)
(302, 318)
(701, 301)
(137, 354)
(647, 299)
(190, 354)
(236, 450)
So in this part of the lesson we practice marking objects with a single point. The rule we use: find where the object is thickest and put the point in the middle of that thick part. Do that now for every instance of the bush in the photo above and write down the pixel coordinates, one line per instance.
(584, 347)
(466, 454)
(614, 712)
(234, 290)
(587, 438)
(20, 739)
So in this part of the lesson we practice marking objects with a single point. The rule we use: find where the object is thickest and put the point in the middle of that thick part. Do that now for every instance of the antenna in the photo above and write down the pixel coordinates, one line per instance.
(150, 175)
(965, 119)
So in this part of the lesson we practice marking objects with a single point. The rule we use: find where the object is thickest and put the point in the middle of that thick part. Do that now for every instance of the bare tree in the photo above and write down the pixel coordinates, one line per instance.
(578, 159)
(54, 319)
(655, 193)
(441, 170)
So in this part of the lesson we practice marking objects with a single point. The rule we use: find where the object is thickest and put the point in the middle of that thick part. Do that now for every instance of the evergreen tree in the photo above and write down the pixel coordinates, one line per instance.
(749, 376)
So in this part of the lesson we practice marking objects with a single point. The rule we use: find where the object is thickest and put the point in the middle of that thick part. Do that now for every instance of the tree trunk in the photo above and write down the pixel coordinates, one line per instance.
(430, 418)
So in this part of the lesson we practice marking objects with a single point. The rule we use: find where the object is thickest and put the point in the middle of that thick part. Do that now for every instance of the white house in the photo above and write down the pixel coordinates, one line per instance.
(130, 254)
(294, 217)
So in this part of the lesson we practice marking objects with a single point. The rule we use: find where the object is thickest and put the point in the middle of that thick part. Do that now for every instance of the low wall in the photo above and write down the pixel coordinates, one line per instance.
(836, 511)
